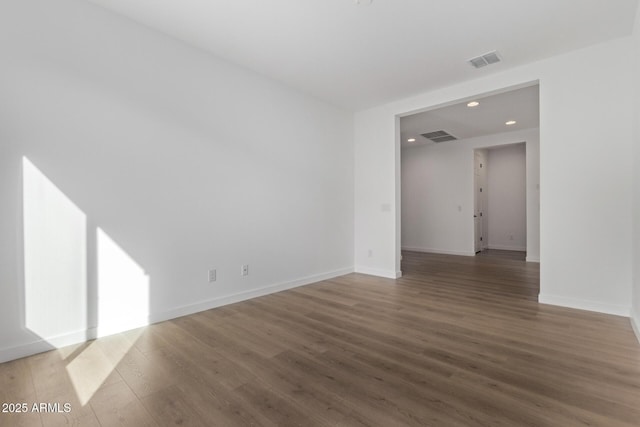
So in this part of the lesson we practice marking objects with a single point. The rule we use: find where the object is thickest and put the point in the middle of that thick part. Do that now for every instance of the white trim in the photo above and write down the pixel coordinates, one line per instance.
(243, 296)
(635, 324)
(508, 248)
(438, 251)
(77, 337)
(42, 345)
(618, 310)
(24, 350)
(389, 274)
(532, 259)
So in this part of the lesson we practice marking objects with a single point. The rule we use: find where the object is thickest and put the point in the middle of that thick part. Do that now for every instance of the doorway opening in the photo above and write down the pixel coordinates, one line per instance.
(446, 182)
(480, 226)
(500, 202)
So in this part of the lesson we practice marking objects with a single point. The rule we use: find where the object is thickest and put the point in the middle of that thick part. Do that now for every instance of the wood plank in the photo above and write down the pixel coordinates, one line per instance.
(169, 408)
(456, 341)
(54, 385)
(16, 387)
(117, 405)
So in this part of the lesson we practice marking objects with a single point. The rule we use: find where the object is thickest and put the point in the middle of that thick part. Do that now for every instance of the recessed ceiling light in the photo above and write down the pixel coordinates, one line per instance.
(473, 104)
(411, 140)
(510, 122)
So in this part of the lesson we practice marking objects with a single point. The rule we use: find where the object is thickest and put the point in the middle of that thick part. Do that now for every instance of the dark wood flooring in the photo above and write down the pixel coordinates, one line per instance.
(457, 341)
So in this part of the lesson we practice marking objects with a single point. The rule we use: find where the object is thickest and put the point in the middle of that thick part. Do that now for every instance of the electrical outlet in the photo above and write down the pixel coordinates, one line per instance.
(212, 275)
(244, 270)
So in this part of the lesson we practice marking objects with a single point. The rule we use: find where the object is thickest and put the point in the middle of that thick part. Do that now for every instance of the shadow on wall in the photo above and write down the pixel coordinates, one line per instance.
(78, 283)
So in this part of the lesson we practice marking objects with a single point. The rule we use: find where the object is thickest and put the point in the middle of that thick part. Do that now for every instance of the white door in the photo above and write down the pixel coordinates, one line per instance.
(478, 201)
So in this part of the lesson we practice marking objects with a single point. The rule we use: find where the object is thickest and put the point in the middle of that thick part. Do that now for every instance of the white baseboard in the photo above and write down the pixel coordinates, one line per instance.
(389, 274)
(507, 248)
(635, 324)
(618, 310)
(243, 296)
(42, 345)
(532, 259)
(438, 251)
(24, 350)
(77, 337)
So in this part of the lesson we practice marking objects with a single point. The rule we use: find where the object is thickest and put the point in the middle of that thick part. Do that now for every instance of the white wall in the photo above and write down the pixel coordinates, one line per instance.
(437, 193)
(585, 173)
(636, 188)
(184, 161)
(507, 199)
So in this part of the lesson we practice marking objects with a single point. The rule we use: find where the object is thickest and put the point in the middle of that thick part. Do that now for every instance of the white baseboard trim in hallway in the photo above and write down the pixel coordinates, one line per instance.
(388, 274)
(438, 251)
(617, 310)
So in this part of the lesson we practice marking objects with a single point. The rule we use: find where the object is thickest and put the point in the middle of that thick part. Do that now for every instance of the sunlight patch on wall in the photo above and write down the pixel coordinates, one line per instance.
(55, 260)
(55, 270)
(123, 289)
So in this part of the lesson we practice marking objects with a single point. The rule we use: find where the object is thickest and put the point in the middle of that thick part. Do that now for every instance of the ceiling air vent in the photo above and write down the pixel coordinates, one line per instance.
(486, 59)
(439, 136)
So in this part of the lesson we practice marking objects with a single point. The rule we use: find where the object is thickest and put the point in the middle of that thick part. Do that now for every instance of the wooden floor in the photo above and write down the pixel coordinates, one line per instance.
(458, 341)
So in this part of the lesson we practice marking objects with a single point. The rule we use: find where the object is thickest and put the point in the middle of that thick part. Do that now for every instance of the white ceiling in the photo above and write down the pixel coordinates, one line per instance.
(360, 55)
(488, 118)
